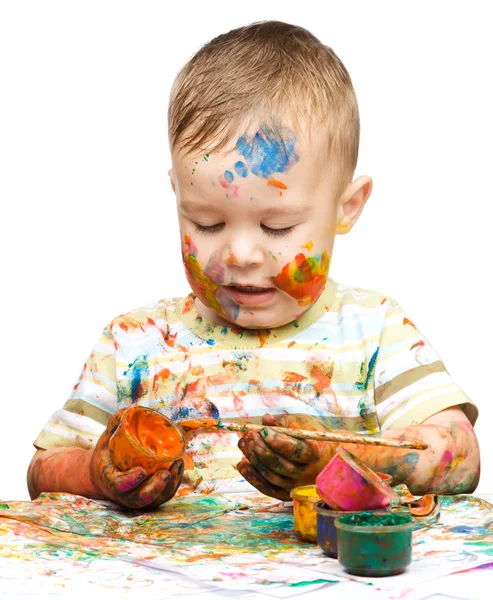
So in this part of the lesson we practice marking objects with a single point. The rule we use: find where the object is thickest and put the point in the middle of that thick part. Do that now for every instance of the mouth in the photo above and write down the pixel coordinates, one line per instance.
(250, 294)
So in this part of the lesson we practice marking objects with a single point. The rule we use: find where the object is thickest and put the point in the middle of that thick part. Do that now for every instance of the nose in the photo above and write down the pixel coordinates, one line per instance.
(243, 251)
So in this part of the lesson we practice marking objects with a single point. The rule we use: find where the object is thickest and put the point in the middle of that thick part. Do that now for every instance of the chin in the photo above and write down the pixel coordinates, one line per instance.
(259, 321)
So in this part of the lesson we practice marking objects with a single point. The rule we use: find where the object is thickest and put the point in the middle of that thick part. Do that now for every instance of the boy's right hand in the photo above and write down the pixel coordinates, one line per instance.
(131, 488)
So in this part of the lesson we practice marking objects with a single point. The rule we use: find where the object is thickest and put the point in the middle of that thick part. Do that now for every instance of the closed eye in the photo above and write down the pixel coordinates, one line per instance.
(217, 227)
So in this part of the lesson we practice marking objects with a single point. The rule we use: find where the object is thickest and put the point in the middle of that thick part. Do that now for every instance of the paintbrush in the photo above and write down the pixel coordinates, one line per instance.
(302, 434)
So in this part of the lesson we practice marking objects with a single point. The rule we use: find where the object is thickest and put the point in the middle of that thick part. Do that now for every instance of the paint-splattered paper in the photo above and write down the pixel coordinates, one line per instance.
(212, 545)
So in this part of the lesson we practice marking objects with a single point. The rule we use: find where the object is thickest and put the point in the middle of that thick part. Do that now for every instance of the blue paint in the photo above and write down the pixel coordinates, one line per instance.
(135, 373)
(210, 341)
(224, 330)
(241, 169)
(228, 176)
(363, 385)
(268, 151)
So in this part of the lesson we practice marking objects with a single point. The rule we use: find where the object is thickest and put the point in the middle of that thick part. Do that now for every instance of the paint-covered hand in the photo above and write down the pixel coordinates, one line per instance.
(275, 462)
(132, 488)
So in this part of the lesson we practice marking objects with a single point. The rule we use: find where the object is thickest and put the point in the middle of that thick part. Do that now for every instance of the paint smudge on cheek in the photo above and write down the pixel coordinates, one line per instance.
(207, 284)
(304, 277)
(268, 151)
(308, 246)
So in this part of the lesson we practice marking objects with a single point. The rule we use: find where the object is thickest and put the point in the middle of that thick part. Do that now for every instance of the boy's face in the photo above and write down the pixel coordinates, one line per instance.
(258, 226)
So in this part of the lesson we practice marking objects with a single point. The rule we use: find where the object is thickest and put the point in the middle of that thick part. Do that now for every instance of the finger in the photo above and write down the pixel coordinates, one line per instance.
(176, 474)
(148, 493)
(276, 463)
(287, 446)
(249, 473)
(271, 477)
(119, 482)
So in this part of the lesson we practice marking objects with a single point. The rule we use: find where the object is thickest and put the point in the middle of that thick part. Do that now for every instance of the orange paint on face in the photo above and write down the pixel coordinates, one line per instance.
(406, 321)
(304, 278)
(308, 246)
(277, 183)
(232, 258)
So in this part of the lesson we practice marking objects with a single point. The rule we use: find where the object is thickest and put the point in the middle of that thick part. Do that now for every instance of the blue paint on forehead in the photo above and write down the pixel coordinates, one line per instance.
(228, 176)
(268, 151)
(241, 169)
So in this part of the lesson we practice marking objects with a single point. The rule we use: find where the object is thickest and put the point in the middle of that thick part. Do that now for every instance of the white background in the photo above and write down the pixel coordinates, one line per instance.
(88, 226)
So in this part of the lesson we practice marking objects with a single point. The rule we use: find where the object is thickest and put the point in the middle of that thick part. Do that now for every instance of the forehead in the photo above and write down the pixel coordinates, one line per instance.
(264, 162)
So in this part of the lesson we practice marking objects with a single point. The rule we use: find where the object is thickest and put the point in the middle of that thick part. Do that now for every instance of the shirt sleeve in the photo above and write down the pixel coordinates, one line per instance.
(411, 381)
(92, 402)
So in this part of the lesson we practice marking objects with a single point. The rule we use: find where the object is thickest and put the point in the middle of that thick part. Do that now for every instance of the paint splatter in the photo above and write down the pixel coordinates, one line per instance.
(406, 321)
(308, 246)
(241, 169)
(268, 151)
(206, 284)
(228, 176)
(304, 278)
(278, 184)
(137, 370)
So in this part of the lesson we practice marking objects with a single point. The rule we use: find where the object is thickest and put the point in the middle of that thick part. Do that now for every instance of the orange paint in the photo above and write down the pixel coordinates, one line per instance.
(145, 438)
(263, 336)
(194, 424)
(232, 258)
(423, 506)
(291, 377)
(291, 344)
(277, 183)
(406, 321)
(304, 277)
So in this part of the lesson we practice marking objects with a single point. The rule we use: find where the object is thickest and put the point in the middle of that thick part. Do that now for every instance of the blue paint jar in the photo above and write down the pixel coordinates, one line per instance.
(326, 530)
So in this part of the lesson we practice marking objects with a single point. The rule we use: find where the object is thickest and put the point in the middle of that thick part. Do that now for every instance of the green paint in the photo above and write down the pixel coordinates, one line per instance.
(300, 583)
(206, 157)
(368, 519)
(265, 433)
(296, 324)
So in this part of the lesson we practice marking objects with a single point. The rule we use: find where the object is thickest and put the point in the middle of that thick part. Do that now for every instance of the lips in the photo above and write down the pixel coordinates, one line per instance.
(250, 288)
(250, 295)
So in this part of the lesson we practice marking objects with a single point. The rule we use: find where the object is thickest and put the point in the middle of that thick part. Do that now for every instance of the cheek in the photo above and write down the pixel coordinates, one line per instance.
(304, 277)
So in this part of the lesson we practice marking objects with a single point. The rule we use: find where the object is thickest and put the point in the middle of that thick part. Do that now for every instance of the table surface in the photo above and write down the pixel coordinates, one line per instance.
(223, 546)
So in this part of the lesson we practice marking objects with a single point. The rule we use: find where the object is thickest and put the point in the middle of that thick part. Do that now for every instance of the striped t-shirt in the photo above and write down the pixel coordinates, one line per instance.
(354, 357)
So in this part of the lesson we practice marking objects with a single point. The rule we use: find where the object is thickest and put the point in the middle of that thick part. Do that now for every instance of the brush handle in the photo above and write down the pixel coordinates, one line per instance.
(302, 434)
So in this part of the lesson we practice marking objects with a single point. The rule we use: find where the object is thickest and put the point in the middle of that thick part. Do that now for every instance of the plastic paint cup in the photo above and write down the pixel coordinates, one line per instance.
(348, 484)
(305, 517)
(145, 438)
(374, 545)
(326, 530)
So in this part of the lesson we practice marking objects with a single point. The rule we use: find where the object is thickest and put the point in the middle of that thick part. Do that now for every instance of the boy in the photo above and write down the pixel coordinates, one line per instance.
(264, 132)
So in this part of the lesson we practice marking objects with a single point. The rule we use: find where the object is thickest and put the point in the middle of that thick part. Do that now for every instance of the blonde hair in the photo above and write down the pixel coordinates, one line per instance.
(268, 67)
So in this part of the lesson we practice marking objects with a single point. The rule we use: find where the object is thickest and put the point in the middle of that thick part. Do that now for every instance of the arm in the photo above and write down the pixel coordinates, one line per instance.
(277, 463)
(91, 473)
(61, 470)
(450, 465)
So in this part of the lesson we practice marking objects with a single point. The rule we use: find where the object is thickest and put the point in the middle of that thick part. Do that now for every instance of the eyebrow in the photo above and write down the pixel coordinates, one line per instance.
(290, 209)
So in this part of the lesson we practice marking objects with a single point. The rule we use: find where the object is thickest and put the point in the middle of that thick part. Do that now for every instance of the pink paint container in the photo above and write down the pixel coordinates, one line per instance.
(348, 484)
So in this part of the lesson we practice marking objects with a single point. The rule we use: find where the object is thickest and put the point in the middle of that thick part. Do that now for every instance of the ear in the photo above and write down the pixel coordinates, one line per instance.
(172, 179)
(352, 202)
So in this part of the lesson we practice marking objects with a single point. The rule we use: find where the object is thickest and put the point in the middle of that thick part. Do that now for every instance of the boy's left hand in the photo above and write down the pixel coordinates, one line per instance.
(276, 463)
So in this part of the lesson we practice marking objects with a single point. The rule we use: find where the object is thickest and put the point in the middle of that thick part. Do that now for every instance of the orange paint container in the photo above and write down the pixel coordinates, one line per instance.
(145, 438)
(305, 518)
